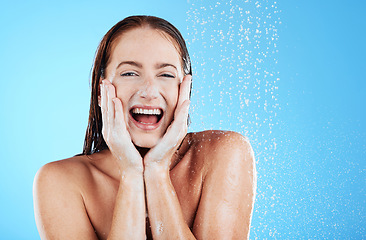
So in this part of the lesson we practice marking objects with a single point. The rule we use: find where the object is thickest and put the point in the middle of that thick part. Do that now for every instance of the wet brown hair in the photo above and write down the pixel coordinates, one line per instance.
(94, 141)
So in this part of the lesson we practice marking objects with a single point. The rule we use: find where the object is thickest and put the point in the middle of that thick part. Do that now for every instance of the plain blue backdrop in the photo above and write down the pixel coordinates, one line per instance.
(290, 75)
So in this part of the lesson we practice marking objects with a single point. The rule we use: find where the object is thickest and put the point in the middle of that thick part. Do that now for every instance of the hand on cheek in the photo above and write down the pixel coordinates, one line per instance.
(161, 154)
(115, 132)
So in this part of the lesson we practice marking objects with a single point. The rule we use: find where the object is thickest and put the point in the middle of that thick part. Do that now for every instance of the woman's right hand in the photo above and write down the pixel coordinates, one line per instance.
(115, 133)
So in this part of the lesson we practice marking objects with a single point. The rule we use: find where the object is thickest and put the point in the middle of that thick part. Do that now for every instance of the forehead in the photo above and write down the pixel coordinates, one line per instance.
(147, 45)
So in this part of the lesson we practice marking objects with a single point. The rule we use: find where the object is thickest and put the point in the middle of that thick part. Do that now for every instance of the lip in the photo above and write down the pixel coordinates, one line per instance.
(145, 127)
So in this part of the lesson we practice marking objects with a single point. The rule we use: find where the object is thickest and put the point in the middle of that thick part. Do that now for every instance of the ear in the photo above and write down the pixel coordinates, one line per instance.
(99, 93)
(99, 100)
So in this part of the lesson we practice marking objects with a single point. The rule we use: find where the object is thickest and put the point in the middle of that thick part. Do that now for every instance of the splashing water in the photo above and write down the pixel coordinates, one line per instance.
(233, 46)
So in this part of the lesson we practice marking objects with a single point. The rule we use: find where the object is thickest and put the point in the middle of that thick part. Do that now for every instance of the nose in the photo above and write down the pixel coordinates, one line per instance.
(149, 89)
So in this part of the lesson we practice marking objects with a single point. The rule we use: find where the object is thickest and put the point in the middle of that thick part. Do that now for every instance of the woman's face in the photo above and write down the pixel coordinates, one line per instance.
(145, 68)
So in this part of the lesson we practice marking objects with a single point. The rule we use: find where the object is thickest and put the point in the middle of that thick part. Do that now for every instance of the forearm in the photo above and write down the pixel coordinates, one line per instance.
(129, 212)
(165, 214)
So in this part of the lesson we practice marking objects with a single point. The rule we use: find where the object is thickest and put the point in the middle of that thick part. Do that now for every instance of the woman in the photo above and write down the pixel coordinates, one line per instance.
(141, 175)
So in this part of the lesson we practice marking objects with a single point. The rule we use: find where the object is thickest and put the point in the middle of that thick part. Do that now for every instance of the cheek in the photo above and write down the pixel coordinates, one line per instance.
(173, 96)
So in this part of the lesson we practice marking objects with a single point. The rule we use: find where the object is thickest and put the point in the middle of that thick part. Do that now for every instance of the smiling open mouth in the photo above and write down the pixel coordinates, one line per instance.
(147, 116)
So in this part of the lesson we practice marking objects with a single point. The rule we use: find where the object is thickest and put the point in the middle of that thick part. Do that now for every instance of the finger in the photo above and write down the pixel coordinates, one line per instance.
(119, 118)
(184, 90)
(182, 114)
(180, 122)
(173, 136)
(111, 93)
(103, 103)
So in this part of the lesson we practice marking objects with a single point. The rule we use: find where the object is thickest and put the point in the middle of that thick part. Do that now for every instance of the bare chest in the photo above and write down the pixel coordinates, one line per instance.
(100, 199)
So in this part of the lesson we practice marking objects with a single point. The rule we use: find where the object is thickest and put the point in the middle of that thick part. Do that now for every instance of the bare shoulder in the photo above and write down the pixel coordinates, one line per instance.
(59, 201)
(214, 137)
(229, 184)
(70, 170)
(227, 146)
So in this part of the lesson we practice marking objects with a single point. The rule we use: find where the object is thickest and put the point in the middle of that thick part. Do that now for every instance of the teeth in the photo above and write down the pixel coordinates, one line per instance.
(155, 111)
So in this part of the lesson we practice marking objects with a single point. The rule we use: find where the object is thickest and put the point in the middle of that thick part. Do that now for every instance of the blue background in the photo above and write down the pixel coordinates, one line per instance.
(290, 75)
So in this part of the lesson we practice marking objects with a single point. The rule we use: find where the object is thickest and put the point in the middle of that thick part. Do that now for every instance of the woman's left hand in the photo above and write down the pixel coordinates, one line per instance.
(161, 154)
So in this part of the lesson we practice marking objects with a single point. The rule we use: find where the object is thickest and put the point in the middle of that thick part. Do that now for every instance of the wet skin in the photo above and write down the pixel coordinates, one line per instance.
(205, 170)
(197, 185)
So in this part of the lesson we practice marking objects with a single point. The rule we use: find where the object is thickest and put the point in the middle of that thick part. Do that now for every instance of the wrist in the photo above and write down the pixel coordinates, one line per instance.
(132, 180)
(157, 164)
(156, 170)
(131, 165)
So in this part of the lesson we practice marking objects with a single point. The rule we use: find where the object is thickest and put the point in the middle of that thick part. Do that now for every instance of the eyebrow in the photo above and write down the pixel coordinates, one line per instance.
(139, 65)
(163, 65)
(130, 63)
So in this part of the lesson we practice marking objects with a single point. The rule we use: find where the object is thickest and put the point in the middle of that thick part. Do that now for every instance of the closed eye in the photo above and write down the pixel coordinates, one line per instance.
(128, 74)
(167, 75)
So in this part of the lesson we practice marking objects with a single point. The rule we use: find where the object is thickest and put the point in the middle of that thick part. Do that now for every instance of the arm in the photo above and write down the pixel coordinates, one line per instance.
(58, 204)
(165, 214)
(58, 201)
(129, 213)
(228, 192)
(227, 196)
(60, 210)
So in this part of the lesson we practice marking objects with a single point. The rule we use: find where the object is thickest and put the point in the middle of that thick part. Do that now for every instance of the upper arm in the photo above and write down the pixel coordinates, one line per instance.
(58, 205)
(228, 191)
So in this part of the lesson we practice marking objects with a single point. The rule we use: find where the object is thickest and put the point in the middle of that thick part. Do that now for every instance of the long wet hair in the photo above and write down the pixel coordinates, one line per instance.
(94, 141)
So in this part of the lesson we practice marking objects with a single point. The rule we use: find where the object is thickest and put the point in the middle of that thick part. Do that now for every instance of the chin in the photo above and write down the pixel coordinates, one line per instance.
(147, 142)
